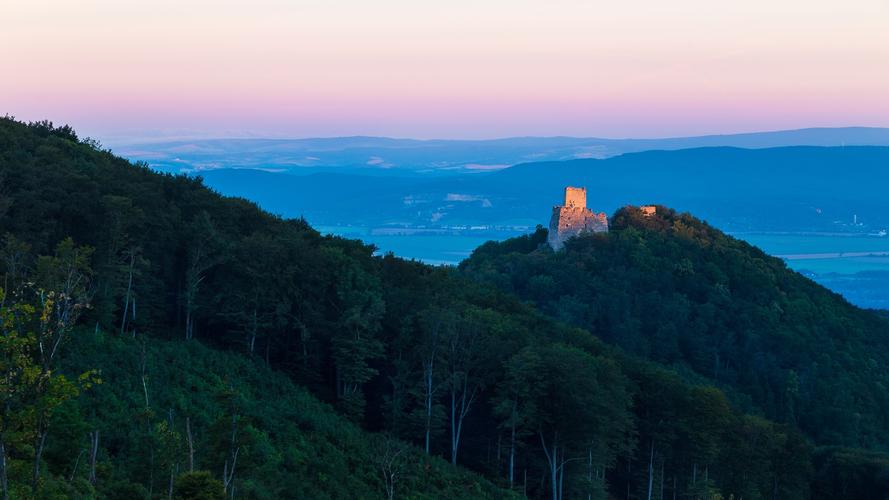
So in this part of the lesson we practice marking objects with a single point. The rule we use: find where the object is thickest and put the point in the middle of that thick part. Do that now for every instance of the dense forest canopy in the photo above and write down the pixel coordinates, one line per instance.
(662, 360)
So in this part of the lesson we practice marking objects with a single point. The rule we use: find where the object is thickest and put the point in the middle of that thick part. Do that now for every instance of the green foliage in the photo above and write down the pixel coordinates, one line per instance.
(673, 289)
(123, 490)
(846, 474)
(36, 316)
(290, 444)
(200, 485)
(207, 312)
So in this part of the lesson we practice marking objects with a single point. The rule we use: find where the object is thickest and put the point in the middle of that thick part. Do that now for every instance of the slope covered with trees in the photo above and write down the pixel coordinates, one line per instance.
(675, 290)
(455, 366)
(168, 410)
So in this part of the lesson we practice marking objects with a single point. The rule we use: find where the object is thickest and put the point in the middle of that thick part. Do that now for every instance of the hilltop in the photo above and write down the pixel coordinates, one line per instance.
(673, 289)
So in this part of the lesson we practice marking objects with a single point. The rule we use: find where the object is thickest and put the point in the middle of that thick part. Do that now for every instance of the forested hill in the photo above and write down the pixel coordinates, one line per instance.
(675, 290)
(135, 278)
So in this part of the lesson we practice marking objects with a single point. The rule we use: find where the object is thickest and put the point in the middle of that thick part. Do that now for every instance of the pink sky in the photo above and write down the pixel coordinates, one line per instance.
(456, 69)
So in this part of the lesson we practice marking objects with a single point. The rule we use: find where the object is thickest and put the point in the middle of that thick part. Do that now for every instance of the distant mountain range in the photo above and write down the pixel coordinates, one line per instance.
(789, 188)
(386, 156)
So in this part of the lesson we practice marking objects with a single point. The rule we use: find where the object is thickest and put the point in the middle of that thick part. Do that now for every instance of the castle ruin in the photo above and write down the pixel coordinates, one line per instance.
(574, 218)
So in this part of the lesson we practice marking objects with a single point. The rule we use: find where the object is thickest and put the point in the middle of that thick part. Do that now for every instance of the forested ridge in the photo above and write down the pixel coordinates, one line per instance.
(180, 321)
(675, 290)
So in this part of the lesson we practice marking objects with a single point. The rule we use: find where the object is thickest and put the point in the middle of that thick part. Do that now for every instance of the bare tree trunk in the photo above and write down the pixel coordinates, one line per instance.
(225, 476)
(3, 476)
(390, 464)
(228, 474)
(429, 388)
(170, 487)
(390, 489)
(145, 389)
(151, 472)
(126, 304)
(554, 472)
(663, 479)
(454, 430)
(144, 362)
(428, 371)
(253, 328)
(190, 296)
(552, 459)
(133, 316)
(651, 469)
(190, 438)
(458, 416)
(629, 475)
(39, 444)
(194, 276)
(525, 485)
(428, 430)
(94, 450)
(188, 320)
(76, 465)
(512, 455)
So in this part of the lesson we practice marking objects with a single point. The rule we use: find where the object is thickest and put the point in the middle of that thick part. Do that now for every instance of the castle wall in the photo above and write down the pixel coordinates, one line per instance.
(567, 222)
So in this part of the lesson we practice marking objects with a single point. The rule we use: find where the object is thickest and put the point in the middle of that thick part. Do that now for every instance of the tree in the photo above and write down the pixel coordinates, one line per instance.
(16, 258)
(120, 261)
(705, 419)
(389, 457)
(35, 325)
(198, 485)
(354, 343)
(170, 448)
(465, 349)
(657, 407)
(434, 326)
(515, 400)
(64, 291)
(577, 399)
(205, 251)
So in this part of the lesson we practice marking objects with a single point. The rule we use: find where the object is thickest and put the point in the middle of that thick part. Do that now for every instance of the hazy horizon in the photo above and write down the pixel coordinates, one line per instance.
(158, 137)
(464, 69)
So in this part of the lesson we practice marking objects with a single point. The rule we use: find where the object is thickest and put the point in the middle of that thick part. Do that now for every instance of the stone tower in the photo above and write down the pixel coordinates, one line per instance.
(574, 218)
(575, 197)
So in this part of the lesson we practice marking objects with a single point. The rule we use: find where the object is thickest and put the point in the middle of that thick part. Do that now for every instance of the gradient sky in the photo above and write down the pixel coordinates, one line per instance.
(449, 69)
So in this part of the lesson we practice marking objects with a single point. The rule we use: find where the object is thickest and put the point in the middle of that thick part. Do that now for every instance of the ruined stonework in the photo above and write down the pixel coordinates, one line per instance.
(574, 218)
(648, 210)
